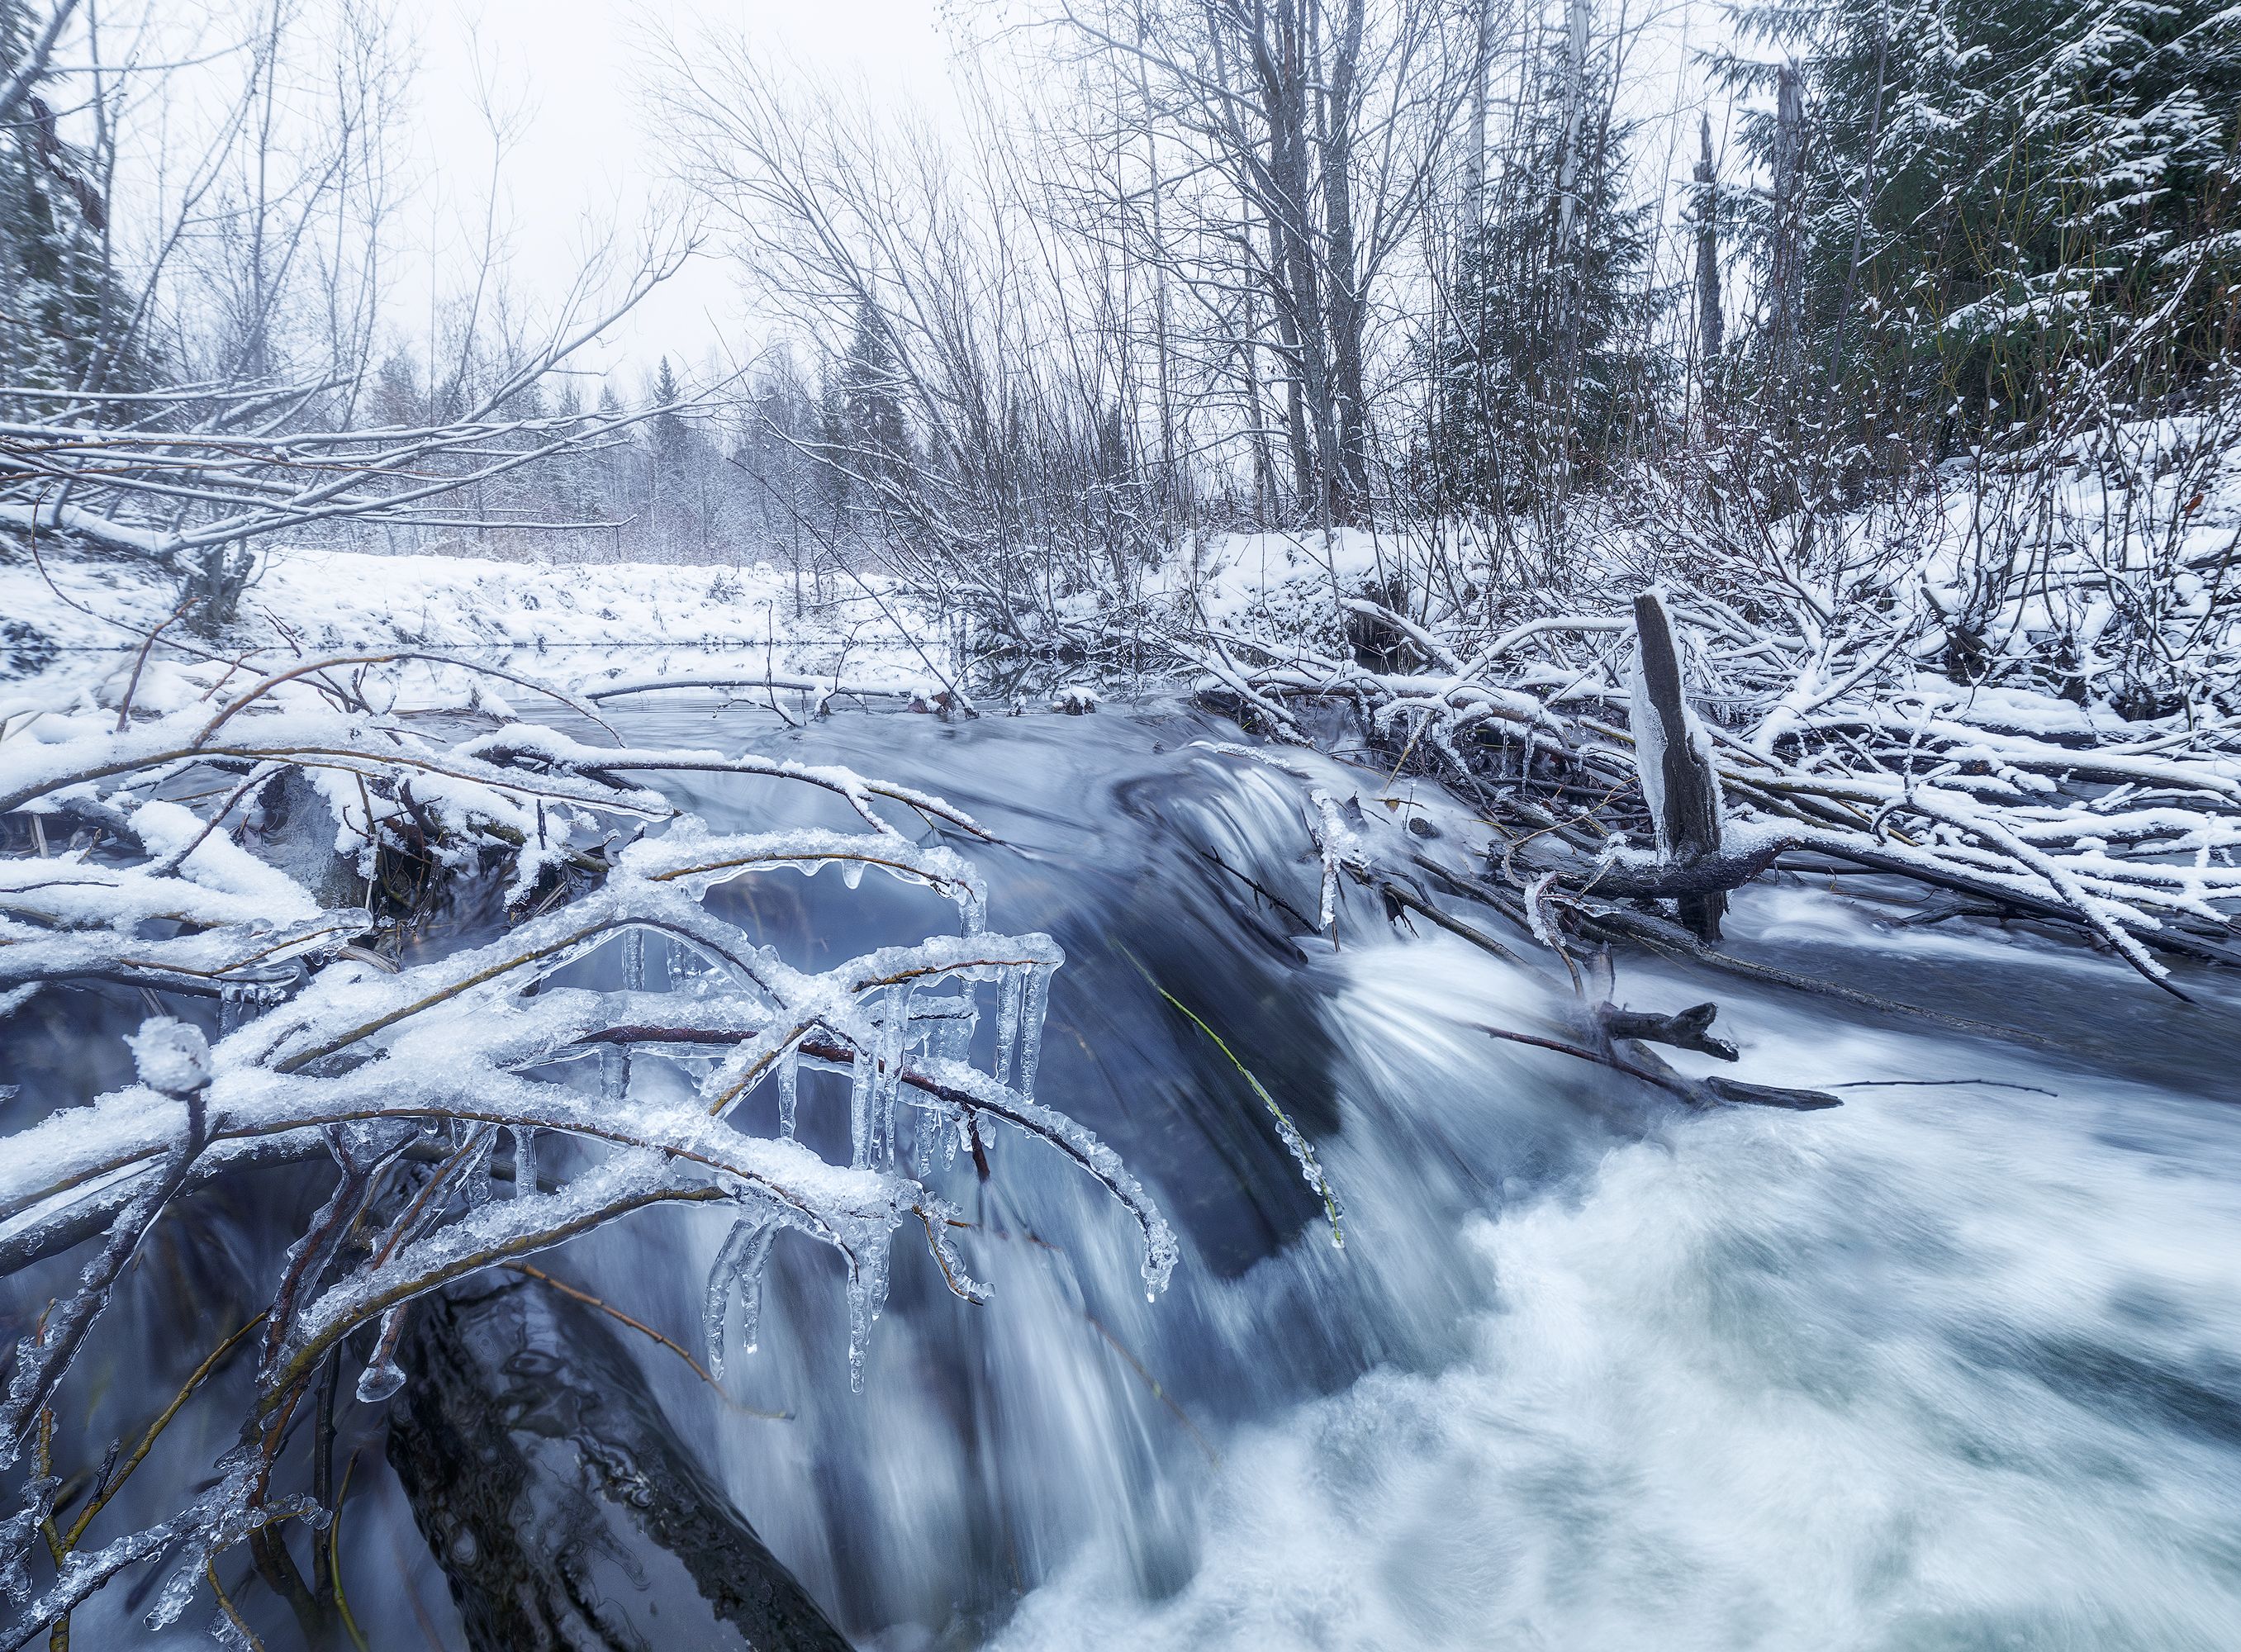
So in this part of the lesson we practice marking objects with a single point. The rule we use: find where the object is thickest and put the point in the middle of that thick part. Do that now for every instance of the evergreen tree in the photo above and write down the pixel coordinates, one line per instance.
(1546, 362)
(666, 431)
(53, 270)
(1993, 196)
(872, 433)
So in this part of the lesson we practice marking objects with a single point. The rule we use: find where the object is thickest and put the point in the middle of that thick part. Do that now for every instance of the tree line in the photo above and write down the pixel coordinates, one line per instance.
(1177, 267)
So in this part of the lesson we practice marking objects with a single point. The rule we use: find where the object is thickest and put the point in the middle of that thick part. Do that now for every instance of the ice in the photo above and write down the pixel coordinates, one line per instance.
(475, 1171)
(993, 1099)
(736, 1272)
(1010, 992)
(20, 1530)
(894, 1026)
(1031, 1015)
(1340, 845)
(382, 1376)
(789, 1089)
(862, 1078)
(866, 1246)
(173, 1057)
(753, 1259)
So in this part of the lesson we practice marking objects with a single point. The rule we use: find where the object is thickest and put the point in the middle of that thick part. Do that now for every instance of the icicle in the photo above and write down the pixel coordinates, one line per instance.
(19, 1531)
(859, 1107)
(753, 1263)
(925, 1124)
(893, 1030)
(478, 1168)
(716, 1297)
(226, 1631)
(524, 1160)
(1007, 1022)
(382, 1376)
(633, 960)
(867, 1294)
(614, 1074)
(789, 1092)
(738, 1266)
(1030, 1027)
(851, 873)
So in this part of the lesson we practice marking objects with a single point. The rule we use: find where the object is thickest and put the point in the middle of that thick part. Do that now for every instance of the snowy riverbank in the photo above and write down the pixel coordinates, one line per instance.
(77, 625)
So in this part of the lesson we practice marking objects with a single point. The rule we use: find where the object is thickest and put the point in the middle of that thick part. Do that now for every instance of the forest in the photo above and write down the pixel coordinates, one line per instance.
(1625, 505)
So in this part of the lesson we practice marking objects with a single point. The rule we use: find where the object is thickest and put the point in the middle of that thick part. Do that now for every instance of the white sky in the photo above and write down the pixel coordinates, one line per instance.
(569, 67)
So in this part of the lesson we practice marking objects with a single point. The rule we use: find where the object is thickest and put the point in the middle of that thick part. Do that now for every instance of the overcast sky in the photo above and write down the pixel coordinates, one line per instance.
(569, 67)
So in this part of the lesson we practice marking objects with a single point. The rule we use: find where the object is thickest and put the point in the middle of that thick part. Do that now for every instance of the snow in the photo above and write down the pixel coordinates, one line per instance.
(173, 1057)
(584, 624)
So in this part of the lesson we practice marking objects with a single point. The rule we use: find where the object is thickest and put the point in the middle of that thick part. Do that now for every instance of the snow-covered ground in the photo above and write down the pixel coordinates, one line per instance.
(76, 626)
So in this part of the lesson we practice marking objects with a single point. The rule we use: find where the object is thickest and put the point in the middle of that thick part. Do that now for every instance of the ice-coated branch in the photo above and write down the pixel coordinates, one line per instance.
(411, 1081)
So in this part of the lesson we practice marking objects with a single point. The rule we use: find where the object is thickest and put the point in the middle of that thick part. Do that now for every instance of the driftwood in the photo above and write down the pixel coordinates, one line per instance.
(1688, 1029)
(539, 1466)
(1713, 875)
(1637, 1061)
(1628, 1033)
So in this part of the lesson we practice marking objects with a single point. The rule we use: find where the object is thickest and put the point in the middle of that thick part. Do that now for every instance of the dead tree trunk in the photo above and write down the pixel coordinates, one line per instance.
(1711, 323)
(1342, 279)
(1675, 763)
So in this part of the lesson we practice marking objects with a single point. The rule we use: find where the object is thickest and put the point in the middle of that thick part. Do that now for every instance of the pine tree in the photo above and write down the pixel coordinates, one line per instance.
(52, 265)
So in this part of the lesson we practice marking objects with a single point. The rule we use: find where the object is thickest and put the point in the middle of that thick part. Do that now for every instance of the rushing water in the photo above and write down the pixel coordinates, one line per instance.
(1952, 1366)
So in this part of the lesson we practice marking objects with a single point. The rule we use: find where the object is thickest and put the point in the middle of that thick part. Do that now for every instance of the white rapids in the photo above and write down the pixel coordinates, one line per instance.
(1948, 1367)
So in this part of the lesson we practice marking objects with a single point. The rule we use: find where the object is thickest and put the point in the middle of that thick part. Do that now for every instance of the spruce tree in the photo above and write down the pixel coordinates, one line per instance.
(1992, 197)
(52, 265)
(872, 414)
(1545, 362)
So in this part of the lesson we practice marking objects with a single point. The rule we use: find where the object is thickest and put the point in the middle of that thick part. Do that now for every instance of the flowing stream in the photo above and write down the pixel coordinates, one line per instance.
(1955, 1366)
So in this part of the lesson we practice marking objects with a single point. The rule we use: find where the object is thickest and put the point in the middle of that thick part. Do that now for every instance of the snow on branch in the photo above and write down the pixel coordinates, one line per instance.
(428, 1088)
(1823, 736)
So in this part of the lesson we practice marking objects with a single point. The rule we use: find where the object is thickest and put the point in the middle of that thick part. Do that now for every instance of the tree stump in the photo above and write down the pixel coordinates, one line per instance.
(1675, 761)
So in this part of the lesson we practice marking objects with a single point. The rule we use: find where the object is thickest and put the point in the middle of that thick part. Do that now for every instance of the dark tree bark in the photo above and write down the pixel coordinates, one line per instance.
(1711, 317)
(1343, 283)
